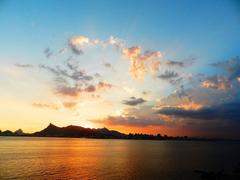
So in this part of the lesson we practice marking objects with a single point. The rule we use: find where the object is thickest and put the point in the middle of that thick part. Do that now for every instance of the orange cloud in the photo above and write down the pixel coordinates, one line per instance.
(43, 105)
(190, 106)
(141, 63)
(79, 40)
(132, 52)
(69, 105)
(130, 121)
(219, 83)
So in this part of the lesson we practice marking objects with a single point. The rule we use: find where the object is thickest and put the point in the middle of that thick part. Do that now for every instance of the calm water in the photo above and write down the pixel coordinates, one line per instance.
(64, 158)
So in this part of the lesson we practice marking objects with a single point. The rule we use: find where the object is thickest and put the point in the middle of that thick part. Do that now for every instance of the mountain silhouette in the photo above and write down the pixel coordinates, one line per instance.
(77, 131)
(19, 132)
(102, 133)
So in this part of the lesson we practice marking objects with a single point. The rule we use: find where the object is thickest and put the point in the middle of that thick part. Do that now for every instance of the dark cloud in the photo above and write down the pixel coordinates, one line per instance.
(76, 43)
(172, 77)
(204, 96)
(142, 116)
(48, 52)
(175, 63)
(70, 80)
(107, 65)
(182, 93)
(168, 75)
(230, 111)
(24, 65)
(187, 62)
(133, 101)
(176, 81)
(76, 50)
(232, 66)
(75, 74)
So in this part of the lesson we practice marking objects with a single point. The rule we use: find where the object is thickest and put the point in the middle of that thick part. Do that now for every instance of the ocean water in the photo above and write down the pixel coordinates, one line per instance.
(70, 158)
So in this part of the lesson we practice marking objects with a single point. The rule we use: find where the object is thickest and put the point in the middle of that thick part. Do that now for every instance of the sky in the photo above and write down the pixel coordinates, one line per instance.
(169, 67)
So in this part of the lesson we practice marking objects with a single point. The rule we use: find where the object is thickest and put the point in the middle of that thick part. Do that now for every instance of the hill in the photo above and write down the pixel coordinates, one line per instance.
(77, 131)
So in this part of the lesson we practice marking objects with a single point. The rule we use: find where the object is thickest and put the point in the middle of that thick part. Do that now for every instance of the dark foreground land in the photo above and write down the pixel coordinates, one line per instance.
(101, 133)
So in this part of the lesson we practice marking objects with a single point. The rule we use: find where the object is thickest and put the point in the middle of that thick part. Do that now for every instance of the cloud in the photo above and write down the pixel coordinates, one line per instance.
(204, 96)
(187, 62)
(24, 65)
(217, 82)
(44, 105)
(76, 50)
(139, 117)
(104, 85)
(141, 63)
(184, 105)
(68, 91)
(77, 90)
(175, 63)
(132, 52)
(190, 106)
(75, 74)
(168, 75)
(232, 66)
(134, 101)
(79, 40)
(90, 88)
(129, 121)
(116, 42)
(76, 43)
(222, 82)
(107, 65)
(69, 105)
(224, 112)
(48, 53)
(182, 93)
(72, 81)
(176, 81)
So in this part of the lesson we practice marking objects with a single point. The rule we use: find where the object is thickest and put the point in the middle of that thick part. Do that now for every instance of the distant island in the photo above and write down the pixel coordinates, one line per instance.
(100, 133)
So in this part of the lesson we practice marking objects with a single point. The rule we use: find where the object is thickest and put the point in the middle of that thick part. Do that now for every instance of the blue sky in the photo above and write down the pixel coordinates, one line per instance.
(206, 31)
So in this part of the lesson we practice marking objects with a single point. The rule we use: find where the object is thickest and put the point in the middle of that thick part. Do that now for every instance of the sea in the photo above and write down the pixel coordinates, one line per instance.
(37, 158)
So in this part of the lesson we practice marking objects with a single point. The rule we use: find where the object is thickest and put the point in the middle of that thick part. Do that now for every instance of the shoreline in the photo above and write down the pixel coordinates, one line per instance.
(167, 139)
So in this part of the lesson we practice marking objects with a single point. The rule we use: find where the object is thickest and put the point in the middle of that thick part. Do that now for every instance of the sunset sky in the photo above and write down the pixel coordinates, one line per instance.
(169, 67)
